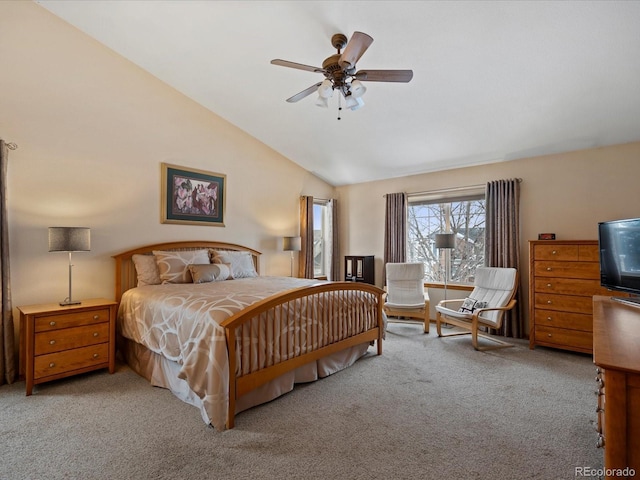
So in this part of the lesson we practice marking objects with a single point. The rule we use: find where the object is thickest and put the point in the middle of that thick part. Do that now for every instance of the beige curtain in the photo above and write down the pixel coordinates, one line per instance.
(333, 250)
(502, 246)
(305, 263)
(395, 229)
(7, 339)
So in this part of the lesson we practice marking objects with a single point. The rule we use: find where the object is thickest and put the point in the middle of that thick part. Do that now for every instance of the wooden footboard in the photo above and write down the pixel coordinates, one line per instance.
(264, 342)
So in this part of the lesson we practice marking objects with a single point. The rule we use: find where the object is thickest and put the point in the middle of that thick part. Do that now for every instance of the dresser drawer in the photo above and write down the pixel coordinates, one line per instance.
(570, 286)
(567, 253)
(565, 303)
(69, 360)
(564, 337)
(66, 320)
(67, 338)
(573, 321)
(589, 253)
(567, 269)
(556, 252)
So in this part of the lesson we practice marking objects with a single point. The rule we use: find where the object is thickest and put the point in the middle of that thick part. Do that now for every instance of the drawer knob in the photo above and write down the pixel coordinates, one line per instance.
(96, 317)
(53, 324)
(548, 285)
(549, 319)
(599, 410)
(95, 334)
(95, 355)
(554, 252)
(51, 365)
(548, 269)
(548, 302)
(52, 342)
(549, 335)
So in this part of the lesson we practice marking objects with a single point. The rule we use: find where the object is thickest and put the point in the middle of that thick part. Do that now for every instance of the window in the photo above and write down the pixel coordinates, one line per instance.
(321, 231)
(461, 212)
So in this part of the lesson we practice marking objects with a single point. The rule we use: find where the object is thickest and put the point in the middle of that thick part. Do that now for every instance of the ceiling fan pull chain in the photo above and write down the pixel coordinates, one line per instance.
(339, 106)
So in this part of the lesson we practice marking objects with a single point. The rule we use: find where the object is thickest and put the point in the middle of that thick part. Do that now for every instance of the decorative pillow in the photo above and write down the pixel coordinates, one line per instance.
(173, 265)
(241, 262)
(210, 272)
(470, 305)
(146, 270)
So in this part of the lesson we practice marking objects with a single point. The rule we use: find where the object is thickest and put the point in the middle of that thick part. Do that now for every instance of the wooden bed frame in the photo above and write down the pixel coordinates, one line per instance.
(242, 383)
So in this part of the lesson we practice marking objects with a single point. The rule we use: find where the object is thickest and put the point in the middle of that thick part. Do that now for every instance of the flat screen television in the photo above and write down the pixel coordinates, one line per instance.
(619, 243)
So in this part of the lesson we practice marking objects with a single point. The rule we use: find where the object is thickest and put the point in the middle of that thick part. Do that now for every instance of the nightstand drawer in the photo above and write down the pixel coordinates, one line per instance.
(66, 320)
(67, 338)
(69, 360)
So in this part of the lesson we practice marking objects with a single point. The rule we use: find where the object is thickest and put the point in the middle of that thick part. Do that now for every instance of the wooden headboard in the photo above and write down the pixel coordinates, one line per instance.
(126, 277)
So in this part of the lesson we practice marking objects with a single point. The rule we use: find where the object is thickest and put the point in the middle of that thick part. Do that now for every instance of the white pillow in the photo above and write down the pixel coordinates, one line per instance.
(146, 270)
(210, 272)
(173, 266)
(241, 262)
(470, 305)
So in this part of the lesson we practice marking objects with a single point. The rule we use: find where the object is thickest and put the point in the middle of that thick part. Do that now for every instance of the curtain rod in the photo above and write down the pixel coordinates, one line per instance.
(453, 189)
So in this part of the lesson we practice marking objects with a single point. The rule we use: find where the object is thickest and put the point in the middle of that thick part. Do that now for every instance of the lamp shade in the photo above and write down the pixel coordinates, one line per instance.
(445, 240)
(69, 239)
(291, 244)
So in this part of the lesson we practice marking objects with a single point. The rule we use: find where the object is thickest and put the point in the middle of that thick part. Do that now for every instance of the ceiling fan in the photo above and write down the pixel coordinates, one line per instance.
(340, 72)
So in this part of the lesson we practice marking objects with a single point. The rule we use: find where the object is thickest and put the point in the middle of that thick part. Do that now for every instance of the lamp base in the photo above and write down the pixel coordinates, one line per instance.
(69, 302)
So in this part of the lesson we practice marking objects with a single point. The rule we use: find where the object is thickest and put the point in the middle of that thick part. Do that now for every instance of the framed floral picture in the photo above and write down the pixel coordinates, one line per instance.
(192, 197)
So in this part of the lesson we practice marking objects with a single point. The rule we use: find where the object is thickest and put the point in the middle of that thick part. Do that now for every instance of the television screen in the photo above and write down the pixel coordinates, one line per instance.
(620, 255)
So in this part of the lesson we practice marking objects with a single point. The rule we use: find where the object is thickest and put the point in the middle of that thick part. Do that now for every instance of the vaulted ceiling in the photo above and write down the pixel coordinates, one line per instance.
(493, 80)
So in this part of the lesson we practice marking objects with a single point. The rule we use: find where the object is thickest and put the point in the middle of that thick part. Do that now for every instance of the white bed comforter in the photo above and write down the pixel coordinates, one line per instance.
(182, 323)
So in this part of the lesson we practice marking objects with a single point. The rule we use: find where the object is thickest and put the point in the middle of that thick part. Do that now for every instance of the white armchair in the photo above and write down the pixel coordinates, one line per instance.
(493, 294)
(406, 296)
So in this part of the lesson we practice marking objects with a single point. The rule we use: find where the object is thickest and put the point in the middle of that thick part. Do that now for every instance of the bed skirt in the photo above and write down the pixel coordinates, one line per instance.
(161, 372)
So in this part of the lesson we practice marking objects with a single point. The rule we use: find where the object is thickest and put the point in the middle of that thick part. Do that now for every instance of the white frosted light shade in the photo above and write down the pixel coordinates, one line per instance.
(359, 103)
(325, 90)
(357, 89)
(322, 102)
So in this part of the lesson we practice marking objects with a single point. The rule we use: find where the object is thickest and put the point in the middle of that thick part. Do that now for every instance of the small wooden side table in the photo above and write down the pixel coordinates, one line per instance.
(60, 341)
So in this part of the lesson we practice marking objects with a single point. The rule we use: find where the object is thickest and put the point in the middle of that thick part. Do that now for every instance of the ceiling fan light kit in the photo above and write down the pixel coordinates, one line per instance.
(340, 73)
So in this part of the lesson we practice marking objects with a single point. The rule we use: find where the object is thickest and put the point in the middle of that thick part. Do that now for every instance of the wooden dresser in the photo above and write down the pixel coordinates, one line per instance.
(563, 277)
(616, 353)
(60, 341)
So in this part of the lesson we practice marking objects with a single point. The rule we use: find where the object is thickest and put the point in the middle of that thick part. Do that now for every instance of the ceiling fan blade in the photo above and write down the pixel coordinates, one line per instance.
(304, 93)
(355, 48)
(299, 66)
(403, 76)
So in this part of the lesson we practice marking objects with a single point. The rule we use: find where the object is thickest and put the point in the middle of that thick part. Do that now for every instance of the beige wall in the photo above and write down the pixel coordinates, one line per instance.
(567, 194)
(92, 130)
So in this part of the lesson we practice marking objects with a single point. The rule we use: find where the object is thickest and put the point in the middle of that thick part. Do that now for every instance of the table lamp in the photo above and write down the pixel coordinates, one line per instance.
(69, 239)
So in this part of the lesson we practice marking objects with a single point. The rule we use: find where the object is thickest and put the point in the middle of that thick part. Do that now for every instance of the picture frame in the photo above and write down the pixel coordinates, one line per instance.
(191, 196)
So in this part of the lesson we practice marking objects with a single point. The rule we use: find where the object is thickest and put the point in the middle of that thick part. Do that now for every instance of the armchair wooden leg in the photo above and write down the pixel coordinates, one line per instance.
(426, 317)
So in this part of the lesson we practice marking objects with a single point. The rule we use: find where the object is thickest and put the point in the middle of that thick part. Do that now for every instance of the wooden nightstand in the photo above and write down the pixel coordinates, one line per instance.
(57, 341)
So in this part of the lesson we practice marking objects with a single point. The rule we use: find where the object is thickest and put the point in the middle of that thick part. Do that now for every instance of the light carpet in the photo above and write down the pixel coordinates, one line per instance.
(428, 408)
